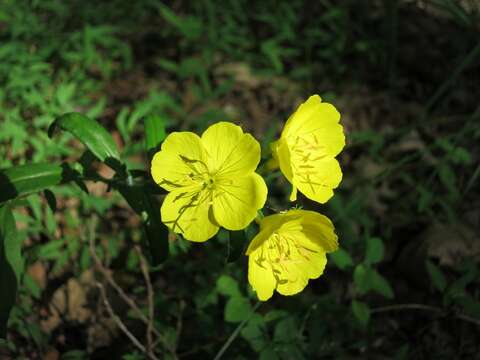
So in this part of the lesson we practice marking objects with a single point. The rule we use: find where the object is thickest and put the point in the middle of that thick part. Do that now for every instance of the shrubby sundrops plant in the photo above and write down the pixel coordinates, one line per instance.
(212, 183)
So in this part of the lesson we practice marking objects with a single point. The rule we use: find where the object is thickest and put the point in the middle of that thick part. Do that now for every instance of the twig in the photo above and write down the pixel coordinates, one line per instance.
(150, 298)
(120, 323)
(437, 310)
(236, 332)
(108, 277)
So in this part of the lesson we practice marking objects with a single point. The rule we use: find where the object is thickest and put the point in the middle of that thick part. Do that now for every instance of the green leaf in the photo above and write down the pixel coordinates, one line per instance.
(10, 266)
(375, 251)
(228, 286)
(341, 258)
(380, 284)
(360, 277)
(238, 308)
(274, 315)
(190, 27)
(436, 275)
(268, 353)
(90, 133)
(367, 279)
(154, 134)
(52, 250)
(361, 312)
(254, 332)
(27, 179)
(286, 330)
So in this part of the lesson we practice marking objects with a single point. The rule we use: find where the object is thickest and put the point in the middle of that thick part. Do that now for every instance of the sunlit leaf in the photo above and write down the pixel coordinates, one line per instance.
(154, 133)
(90, 133)
(27, 179)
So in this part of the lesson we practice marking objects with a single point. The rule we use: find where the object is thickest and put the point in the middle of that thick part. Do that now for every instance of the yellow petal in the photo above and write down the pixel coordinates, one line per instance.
(237, 200)
(317, 181)
(230, 150)
(308, 256)
(258, 240)
(261, 277)
(315, 267)
(282, 154)
(319, 229)
(180, 160)
(293, 194)
(269, 225)
(294, 281)
(306, 261)
(188, 213)
(321, 119)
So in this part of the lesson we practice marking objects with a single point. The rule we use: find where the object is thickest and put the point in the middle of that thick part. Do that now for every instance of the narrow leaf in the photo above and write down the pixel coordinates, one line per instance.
(154, 134)
(8, 276)
(90, 133)
(26, 179)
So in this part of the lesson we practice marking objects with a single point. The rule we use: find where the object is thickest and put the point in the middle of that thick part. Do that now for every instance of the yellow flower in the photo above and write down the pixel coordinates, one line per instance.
(210, 179)
(307, 147)
(288, 251)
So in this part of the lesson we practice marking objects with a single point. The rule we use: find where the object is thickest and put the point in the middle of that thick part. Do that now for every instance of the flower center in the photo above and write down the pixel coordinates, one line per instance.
(209, 182)
(199, 173)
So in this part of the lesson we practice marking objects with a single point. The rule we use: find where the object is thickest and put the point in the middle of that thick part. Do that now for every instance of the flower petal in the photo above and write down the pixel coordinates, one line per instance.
(261, 277)
(319, 119)
(180, 159)
(319, 229)
(230, 150)
(258, 240)
(317, 181)
(281, 153)
(237, 200)
(188, 213)
(300, 271)
(295, 283)
(309, 257)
